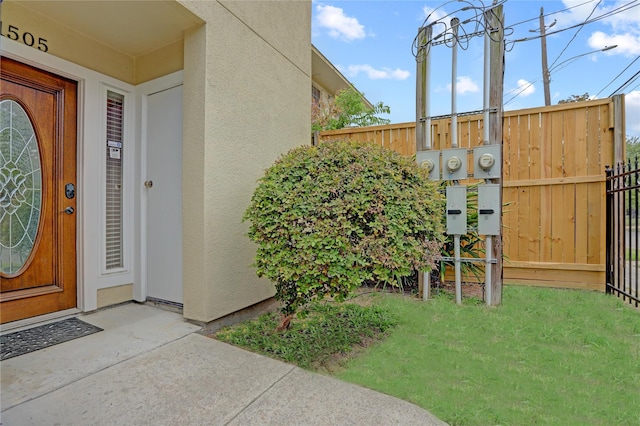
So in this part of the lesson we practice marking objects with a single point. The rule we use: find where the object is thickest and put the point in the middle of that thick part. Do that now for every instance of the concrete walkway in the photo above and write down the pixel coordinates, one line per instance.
(150, 367)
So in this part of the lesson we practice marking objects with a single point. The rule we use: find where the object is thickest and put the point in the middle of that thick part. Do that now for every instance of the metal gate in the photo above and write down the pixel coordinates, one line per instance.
(622, 226)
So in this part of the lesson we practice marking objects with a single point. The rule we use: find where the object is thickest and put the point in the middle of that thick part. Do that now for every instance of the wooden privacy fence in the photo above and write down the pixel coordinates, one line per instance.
(554, 162)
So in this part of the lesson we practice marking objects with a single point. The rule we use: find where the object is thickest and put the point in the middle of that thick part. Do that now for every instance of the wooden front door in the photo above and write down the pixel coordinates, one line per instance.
(37, 192)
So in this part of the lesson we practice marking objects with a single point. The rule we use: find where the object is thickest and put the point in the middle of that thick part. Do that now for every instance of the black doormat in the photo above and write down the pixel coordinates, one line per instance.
(43, 336)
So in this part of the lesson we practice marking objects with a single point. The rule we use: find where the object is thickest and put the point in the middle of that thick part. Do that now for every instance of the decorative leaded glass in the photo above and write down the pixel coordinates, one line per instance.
(20, 187)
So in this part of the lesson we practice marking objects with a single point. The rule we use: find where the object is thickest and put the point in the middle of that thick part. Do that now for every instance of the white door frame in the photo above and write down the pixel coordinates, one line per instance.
(144, 90)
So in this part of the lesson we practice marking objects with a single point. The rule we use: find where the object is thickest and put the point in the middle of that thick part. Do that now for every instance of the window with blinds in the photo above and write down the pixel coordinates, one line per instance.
(315, 95)
(115, 127)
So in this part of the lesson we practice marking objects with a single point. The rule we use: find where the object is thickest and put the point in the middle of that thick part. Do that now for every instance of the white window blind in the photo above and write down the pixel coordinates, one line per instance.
(315, 94)
(115, 127)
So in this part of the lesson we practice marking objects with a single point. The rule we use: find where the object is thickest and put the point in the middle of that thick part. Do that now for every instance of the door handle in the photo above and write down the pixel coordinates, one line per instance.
(69, 210)
(148, 183)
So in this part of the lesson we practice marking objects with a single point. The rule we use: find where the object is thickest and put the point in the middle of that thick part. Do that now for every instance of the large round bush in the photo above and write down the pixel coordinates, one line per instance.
(328, 218)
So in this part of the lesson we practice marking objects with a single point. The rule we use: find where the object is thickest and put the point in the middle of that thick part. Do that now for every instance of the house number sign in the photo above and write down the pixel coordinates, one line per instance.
(14, 33)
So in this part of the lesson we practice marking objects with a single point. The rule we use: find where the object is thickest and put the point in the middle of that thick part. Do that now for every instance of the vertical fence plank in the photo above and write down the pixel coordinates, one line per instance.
(593, 141)
(582, 223)
(545, 191)
(568, 234)
(535, 247)
(557, 193)
(523, 224)
(506, 149)
(595, 207)
(569, 143)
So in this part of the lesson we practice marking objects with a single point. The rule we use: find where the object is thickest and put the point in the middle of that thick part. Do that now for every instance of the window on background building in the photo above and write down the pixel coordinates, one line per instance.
(315, 94)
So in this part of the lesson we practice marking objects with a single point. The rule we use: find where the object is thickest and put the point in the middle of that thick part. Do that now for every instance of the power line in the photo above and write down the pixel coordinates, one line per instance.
(631, 80)
(518, 94)
(551, 13)
(576, 33)
(619, 74)
(612, 12)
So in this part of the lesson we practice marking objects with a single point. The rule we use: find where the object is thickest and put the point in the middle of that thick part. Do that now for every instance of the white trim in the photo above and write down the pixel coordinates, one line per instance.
(129, 149)
(144, 91)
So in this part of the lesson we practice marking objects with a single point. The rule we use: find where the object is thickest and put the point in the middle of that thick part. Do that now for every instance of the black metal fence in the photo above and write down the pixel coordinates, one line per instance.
(623, 229)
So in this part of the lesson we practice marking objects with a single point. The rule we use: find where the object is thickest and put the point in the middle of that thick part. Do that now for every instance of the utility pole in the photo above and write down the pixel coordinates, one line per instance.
(545, 68)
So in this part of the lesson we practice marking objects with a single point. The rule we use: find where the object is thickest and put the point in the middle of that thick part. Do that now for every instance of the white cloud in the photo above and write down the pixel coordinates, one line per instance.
(434, 15)
(377, 74)
(465, 85)
(338, 24)
(625, 24)
(525, 88)
(632, 109)
(628, 44)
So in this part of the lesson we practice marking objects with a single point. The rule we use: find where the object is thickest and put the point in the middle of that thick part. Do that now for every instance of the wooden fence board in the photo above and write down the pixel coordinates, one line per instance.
(582, 221)
(523, 161)
(557, 125)
(553, 185)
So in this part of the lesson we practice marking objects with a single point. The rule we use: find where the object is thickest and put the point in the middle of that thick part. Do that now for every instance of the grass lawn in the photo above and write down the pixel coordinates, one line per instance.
(632, 254)
(545, 356)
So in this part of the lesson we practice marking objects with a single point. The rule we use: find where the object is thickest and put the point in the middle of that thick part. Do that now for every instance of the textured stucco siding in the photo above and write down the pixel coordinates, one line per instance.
(247, 100)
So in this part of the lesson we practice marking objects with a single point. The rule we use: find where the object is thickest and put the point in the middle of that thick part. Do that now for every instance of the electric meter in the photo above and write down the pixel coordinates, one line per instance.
(428, 165)
(454, 164)
(486, 161)
(430, 161)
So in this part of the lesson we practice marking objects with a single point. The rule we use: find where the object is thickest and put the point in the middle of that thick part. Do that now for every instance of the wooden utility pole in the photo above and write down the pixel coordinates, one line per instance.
(545, 68)
(495, 20)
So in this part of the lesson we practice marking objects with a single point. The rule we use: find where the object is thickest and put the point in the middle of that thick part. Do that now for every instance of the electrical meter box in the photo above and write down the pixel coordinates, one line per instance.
(487, 162)
(454, 164)
(489, 209)
(456, 210)
(430, 160)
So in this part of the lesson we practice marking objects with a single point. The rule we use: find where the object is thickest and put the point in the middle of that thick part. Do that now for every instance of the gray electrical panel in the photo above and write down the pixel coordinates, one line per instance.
(454, 164)
(487, 162)
(489, 209)
(456, 210)
(430, 160)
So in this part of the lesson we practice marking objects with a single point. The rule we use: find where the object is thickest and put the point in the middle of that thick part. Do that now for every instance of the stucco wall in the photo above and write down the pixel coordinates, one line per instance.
(247, 89)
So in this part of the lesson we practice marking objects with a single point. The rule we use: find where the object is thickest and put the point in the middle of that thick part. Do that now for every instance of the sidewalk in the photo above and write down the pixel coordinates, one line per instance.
(150, 367)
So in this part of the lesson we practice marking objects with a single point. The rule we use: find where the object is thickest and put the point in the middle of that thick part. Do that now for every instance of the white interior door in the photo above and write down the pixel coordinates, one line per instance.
(164, 195)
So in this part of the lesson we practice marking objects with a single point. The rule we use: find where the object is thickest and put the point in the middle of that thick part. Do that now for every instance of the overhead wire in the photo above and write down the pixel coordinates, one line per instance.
(622, 8)
(460, 35)
(628, 82)
(608, 14)
(550, 14)
(575, 34)
(522, 89)
(619, 74)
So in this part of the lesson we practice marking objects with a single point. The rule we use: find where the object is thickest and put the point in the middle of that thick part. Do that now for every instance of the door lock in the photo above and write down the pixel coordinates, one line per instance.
(69, 191)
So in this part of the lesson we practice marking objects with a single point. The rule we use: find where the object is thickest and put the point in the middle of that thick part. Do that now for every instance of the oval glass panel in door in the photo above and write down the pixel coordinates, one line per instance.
(20, 187)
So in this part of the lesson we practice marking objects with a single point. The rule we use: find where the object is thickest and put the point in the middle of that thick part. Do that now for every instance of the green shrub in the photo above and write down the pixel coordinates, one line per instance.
(328, 218)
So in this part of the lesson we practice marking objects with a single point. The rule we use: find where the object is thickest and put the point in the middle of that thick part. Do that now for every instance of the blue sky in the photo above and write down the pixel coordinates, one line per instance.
(371, 43)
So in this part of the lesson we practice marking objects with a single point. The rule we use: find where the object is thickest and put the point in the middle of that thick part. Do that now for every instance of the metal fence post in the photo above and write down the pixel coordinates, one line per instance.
(609, 230)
